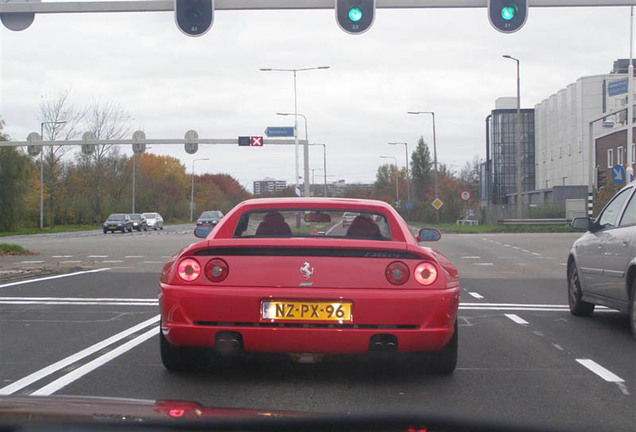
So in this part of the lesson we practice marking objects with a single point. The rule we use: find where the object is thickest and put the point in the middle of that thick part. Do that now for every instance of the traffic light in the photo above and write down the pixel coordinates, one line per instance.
(507, 16)
(194, 17)
(355, 16)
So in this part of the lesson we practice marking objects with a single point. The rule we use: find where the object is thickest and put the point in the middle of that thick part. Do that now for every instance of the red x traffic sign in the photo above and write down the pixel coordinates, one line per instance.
(256, 141)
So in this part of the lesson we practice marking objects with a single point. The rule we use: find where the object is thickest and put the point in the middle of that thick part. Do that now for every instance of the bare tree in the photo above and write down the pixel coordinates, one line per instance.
(59, 120)
(108, 121)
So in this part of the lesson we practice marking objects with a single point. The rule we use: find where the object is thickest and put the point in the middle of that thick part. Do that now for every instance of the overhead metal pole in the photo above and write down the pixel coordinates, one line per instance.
(518, 139)
(306, 147)
(435, 174)
(408, 180)
(630, 100)
(168, 5)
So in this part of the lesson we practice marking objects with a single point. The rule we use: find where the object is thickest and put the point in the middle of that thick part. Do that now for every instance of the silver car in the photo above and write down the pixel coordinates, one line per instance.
(154, 221)
(601, 267)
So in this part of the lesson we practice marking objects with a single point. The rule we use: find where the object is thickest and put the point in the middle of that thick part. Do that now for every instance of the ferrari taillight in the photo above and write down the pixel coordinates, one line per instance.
(189, 269)
(217, 270)
(425, 273)
(397, 273)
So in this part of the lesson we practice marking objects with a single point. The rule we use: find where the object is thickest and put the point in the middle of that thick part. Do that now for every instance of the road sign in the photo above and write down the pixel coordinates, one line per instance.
(191, 147)
(409, 206)
(34, 150)
(618, 174)
(274, 131)
(139, 148)
(89, 148)
(437, 203)
(256, 141)
(617, 87)
(464, 195)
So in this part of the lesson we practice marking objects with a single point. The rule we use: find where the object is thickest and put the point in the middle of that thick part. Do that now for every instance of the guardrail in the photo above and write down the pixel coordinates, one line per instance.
(544, 221)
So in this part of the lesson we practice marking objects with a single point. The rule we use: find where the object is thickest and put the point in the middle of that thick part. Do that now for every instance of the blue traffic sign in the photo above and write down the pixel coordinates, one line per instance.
(409, 206)
(279, 131)
(617, 87)
(618, 174)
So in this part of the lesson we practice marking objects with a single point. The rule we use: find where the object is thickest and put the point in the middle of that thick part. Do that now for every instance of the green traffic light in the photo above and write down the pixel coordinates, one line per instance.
(355, 14)
(508, 12)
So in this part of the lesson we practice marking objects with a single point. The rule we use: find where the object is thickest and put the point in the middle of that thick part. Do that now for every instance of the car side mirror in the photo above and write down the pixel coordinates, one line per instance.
(429, 234)
(202, 231)
(581, 223)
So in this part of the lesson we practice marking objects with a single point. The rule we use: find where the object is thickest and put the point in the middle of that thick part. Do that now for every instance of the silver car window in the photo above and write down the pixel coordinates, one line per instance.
(609, 217)
(629, 215)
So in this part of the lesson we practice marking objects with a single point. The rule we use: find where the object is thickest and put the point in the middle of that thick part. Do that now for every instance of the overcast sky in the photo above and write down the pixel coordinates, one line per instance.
(443, 60)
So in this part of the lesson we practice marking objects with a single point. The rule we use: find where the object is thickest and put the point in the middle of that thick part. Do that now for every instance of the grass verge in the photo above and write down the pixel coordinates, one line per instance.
(57, 229)
(12, 249)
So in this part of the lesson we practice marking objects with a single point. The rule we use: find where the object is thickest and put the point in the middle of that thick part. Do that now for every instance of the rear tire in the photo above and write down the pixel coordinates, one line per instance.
(179, 359)
(578, 307)
(444, 361)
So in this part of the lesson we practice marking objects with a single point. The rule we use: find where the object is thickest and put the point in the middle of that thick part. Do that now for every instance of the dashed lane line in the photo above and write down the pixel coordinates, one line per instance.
(600, 371)
(98, 256)
(517, 319)
(476, 295)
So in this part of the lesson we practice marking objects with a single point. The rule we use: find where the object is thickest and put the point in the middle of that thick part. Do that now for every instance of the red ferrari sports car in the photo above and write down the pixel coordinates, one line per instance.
(289, 275)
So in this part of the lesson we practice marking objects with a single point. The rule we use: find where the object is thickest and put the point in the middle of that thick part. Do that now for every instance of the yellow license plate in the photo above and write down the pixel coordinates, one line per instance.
(306, 311)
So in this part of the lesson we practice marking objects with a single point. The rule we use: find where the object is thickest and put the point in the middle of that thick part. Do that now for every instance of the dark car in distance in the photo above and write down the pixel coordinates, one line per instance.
(118, 222)
(139, 221)
(210, 217)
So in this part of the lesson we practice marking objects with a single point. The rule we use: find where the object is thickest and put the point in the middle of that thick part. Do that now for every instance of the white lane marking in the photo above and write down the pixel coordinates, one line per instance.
(51, 369)
(600, 371)
(536, 254)
(563, 264)
(61, 256)
(483, 264)
(92, 365)
(507, 245)
(471, 257)
(54, 277)
(476, 295)
(31, 262)
(517, 319)
(152, 262)
(98, 256)
(112, 261)
(516, 247)
(69, 262)
(557, 346)
(134, 256)
(524, 250)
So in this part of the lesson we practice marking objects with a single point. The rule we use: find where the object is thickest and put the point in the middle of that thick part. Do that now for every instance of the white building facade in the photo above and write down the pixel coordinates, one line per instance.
(562, 121)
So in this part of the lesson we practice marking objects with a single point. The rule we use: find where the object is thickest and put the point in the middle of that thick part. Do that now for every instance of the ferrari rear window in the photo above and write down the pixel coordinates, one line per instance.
(313, 223)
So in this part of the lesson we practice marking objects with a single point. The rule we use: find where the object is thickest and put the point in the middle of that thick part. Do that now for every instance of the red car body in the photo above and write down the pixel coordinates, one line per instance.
(267, 273)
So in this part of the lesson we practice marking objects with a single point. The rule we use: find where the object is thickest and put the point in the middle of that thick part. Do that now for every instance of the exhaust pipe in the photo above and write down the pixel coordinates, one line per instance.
(228, 343)
(383, 343)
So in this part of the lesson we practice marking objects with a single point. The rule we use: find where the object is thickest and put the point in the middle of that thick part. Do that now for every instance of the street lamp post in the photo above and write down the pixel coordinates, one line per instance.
(408, 181)
(518, 134)
(306, 146)
(192, 189)
(434, 157)
(54, 123)
(397, 190)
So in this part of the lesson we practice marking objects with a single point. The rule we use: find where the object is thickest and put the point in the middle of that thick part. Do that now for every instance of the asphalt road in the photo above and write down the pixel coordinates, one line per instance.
(522, 356)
